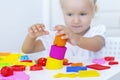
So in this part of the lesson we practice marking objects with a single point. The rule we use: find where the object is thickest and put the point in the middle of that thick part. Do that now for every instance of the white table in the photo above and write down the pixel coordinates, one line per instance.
(108, 74)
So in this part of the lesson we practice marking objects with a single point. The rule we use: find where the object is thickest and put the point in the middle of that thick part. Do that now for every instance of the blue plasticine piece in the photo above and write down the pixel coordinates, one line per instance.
(84, 68)
(75, 69)
(24, 57)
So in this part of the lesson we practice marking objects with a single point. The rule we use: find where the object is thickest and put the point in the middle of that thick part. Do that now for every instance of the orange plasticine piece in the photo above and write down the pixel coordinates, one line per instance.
(4, 53)
(77, 64)
(59, 42)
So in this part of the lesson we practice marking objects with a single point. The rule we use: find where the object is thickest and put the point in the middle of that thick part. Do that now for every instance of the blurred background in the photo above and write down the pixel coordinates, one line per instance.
(17, 15)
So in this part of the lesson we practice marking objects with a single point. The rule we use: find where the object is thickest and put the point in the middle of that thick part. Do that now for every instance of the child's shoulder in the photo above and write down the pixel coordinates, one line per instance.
(96, 30)
(98, 27)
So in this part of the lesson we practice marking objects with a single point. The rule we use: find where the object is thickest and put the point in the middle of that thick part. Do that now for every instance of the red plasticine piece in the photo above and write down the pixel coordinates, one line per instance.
(36, 67)
(98, 67)
(18, 67)
(109, 58)
(113, 62)
(42, 61)
(65, 63)
(26, 61)
(6, 71)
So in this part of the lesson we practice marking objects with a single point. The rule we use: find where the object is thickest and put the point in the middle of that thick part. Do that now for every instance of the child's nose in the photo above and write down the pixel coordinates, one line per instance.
(76, 20)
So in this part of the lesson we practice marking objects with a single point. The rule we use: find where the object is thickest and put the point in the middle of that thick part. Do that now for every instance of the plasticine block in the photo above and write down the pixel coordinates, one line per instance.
(6, 71)
(24, 57)
(113, 63)
(77, 64)
(26, 61)
(99, 61)
(42, 61)
(18, 67)
(12, 58)
(36, 67)
(75, 69)
(57, 52)
(58, 41)
(109, 58)
(65, 62)
(98, 67)
(54, 64)
(88, 73)
(4, 53)
(61, 75)
(16, 76)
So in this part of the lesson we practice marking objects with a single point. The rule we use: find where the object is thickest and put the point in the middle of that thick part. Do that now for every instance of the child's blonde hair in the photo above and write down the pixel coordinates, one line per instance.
(92, 0)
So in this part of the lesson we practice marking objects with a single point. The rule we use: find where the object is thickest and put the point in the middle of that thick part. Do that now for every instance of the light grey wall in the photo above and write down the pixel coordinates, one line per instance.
(15, 18)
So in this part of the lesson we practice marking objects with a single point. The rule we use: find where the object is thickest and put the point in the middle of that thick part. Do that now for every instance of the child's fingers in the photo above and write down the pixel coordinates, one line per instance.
(46, 32)
(60, 32)
(37, 28)
(65, 37)
(40, 26)
(30, 30)
(34, 28)
(58, 27)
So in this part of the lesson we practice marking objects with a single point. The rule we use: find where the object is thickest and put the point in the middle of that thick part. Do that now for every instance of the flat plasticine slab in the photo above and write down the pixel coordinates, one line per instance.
(16, 76)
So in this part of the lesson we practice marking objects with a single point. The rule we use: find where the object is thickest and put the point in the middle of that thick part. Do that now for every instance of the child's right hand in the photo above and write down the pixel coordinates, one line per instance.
(37, 30)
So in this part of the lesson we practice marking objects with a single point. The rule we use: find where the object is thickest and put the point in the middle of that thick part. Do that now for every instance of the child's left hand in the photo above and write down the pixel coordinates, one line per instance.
(69, 35)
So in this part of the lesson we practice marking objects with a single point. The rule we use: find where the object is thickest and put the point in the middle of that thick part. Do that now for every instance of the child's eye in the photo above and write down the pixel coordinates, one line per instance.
(69, 14)
(82, 14)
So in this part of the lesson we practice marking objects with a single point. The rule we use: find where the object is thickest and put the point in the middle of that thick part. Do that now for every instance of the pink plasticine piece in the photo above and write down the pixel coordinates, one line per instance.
(99, 61)
(16, 76)
(57, 52)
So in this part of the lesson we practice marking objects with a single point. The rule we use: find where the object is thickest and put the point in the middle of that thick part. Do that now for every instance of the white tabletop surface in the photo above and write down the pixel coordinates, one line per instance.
(108, 74)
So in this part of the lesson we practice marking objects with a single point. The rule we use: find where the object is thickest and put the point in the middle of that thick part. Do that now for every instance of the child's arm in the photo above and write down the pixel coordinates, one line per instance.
(93, 44)
(32, 45)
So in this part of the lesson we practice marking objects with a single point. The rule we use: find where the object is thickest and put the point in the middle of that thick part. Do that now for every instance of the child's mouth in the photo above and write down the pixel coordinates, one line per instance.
(76, 26)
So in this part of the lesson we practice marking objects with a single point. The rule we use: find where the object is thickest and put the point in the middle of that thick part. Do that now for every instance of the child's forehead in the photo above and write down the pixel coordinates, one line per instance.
(67, 1)
(76, 3)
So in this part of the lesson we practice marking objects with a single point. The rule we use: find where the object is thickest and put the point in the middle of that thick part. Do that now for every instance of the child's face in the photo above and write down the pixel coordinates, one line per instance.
(78, 14)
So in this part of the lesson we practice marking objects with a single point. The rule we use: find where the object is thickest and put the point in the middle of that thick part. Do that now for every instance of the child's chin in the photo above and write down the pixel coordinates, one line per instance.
(76, 32)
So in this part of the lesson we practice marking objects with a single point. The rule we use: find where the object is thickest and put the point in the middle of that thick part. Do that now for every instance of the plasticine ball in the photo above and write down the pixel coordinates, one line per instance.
(42, 61)
(6, 71)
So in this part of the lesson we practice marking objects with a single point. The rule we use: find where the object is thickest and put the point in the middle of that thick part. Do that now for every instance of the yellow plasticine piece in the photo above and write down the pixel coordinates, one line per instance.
(54, 64)
(25, 63)
(60, 75)
(2, 57)
(88, 73)
(12, 58)
(15, 56)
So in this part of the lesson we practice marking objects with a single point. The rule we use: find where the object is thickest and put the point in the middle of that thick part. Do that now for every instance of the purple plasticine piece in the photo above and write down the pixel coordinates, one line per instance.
(16, 76)
(57, 52)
